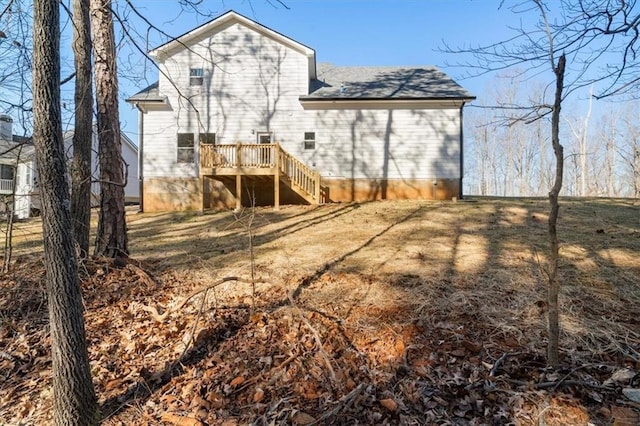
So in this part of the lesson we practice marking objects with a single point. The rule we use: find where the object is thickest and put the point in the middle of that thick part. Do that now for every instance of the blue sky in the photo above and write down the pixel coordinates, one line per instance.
(346, 32)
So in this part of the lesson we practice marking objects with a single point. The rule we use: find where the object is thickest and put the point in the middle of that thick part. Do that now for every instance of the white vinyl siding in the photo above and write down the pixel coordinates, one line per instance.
(129, 156)
(393, 144)
(255, 86)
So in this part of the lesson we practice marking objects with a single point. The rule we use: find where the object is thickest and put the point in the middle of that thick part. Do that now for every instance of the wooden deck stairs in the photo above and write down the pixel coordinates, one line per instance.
(235, 161)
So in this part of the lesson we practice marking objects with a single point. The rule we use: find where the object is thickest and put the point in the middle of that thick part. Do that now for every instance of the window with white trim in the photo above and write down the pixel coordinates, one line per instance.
(6, 171)
(196, 77)
(207, 138)
(186, 153)
(309, 140)
(265, 137)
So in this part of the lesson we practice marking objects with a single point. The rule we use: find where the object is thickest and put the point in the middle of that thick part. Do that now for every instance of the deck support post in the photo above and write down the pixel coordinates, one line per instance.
(238, 177)
(316, 189)
(202, 188)
(238, 192)
(276, 178)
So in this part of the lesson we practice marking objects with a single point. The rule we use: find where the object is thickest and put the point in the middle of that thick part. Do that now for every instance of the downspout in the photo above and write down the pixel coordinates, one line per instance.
(140, 158)
(461, 151)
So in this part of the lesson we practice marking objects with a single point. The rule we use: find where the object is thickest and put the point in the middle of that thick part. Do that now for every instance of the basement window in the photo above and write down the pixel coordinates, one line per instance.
(309, 140)
(186, 153)
(196, 77)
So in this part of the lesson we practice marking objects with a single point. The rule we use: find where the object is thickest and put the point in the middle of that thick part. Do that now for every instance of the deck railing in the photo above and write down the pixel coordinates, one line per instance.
(300, 174)
(238, 155)
(6, 186)
(247, 156)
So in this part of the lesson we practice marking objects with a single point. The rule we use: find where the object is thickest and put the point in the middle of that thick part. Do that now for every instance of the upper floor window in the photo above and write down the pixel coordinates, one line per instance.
(309, 140)
(196, 77)
(186, 153)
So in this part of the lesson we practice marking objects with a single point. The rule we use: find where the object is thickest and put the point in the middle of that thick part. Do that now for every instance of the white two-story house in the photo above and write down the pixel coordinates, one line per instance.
(244, 114)
(17, 171)
(19, 178)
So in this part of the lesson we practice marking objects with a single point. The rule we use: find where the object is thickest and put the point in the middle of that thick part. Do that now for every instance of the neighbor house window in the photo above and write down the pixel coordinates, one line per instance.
(185, 148)
(6, 172)
(207, 138)
(196, 76)
(309, 140)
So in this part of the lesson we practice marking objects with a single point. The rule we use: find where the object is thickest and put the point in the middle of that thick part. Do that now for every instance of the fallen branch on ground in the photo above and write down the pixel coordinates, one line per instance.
(160, 318)
(324, 354)
(343, 403)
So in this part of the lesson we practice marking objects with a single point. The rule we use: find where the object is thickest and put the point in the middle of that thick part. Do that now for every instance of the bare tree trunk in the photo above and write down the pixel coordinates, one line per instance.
(584, 140)
(483, 156)
(82, 136)
(542, 181)
(629, 152)
(554, 285)
(74, 400)
(111, 239)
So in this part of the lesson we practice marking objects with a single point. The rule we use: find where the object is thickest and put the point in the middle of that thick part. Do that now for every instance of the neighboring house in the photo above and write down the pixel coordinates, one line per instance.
(17, 171)
(17, 155)
(129, 157)
(243, 113)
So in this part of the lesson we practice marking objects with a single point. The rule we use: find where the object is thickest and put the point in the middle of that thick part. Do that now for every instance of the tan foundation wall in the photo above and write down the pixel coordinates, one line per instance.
(345, 190)
(217, 195)
(175, 194)
(172, 194)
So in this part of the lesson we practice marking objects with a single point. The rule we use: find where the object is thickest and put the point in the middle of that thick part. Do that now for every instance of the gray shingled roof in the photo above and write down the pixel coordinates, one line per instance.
(384, 83)
(148, 94)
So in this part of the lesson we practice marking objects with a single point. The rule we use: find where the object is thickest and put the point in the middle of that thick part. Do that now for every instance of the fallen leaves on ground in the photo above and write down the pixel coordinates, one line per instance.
(221, 362)
(374, 313)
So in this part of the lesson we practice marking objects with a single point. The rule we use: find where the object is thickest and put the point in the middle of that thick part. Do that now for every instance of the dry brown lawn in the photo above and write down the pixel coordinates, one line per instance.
(400, 312)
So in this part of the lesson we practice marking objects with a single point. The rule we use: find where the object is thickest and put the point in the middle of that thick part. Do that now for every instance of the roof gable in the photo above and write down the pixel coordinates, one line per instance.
(224, 21)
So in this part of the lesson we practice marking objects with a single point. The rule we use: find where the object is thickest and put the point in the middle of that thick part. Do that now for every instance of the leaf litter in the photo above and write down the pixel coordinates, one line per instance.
(412, 338)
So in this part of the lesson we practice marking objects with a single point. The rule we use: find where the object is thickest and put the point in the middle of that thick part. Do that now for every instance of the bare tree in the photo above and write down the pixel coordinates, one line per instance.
(604, 176)
(111, 238)
(553, 352)
(630, 151)
(74, 398)
(83, 129)
(15, 62)
(580, 130)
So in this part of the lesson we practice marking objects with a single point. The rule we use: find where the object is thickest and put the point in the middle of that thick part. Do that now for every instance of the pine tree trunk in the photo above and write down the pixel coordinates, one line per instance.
(74, 400)
(82, 136)
(111, 238)
(554, 286)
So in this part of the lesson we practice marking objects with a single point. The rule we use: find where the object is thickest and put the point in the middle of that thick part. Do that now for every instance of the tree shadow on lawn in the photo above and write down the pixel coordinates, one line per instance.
(227, 234)
(209, 338)
(457, 339)
(456, 344)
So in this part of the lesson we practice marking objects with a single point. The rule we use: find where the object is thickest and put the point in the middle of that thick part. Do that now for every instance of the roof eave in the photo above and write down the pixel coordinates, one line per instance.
(370, 99)
(134, 100)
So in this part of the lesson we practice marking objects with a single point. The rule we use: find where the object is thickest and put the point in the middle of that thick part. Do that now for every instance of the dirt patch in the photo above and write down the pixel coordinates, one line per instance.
(377, 313)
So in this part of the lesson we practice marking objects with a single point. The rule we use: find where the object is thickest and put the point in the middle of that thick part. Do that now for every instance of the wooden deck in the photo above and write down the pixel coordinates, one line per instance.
(242, 160)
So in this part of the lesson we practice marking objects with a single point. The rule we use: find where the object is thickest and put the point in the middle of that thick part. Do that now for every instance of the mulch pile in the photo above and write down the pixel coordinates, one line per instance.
(292, 359)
